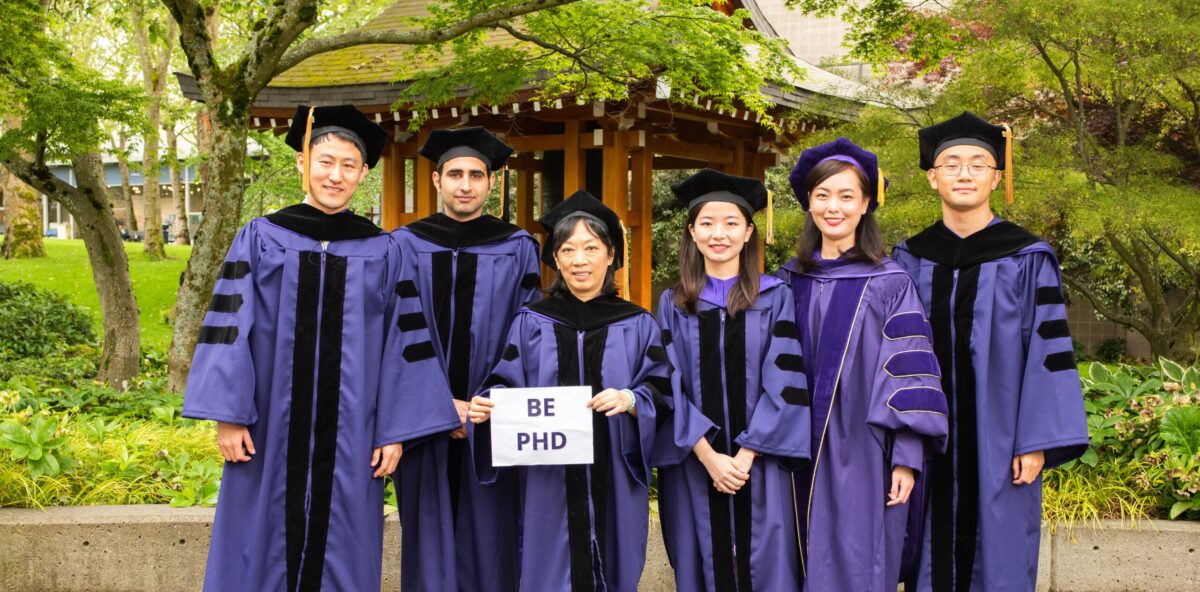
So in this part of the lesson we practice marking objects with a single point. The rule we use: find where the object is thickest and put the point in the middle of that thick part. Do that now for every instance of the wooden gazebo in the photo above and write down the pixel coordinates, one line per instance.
(610, 149)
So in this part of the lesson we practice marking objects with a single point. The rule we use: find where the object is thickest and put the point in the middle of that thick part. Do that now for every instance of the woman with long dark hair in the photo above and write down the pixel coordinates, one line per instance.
(742, 408)
(877, 404)
(584, 527)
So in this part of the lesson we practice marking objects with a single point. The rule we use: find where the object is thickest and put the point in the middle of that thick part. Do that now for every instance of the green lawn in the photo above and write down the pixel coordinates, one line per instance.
(65, 269)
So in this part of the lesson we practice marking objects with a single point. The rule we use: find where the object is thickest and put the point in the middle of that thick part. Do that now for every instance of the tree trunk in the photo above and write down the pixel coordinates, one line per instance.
(90, 205)
(182, 234)
(131, 223)
(150, 188)
(223, 186)
(156, 62)
(23, 217)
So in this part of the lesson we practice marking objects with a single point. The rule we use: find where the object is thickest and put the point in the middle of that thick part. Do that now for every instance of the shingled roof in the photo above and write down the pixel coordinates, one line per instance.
(375, 73)
(373, 64)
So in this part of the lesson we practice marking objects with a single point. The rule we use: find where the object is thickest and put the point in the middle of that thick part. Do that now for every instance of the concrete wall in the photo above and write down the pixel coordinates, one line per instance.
(138, 548)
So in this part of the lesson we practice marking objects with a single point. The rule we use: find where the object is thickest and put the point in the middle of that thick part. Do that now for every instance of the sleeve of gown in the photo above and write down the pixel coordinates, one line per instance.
(780, 425)
(509, 372)
(907, 400)
(414, 398)
(221, 382)
(530, 287)
(688, 424)
(1051, 415)
(652, 387)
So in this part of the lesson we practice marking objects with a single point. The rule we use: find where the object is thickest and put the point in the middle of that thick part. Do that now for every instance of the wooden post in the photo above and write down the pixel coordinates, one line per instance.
(573, 163)
(738, 166)
(641, 286)
(615, 181)
(392, 204)
(425, 199)
(524, 198)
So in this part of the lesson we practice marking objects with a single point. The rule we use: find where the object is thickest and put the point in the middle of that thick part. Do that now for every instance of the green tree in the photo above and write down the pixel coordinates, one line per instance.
(60, 104)
(1107, 129)
(154, 33)
(597, 50)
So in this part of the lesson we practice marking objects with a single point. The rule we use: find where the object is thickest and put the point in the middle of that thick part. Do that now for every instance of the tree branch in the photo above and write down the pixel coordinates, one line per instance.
(1175, 256)
(576, 57)
(1104, 310)
(314, 47)
(40, 178)
(196, 42)
(278, 29)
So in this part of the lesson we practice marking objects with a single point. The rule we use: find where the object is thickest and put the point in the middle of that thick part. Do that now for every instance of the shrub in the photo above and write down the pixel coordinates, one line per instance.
(83, 444)
(35, 322)
(1110, 350)
(1147, 418)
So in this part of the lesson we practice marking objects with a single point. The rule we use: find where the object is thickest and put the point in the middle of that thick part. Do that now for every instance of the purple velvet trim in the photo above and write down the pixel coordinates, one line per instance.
(918, 398)
(906, 325)
(912, 363)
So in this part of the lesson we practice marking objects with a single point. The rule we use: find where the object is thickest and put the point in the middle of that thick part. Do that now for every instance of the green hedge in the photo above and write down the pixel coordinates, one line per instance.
(37, 322)
(1144, 460)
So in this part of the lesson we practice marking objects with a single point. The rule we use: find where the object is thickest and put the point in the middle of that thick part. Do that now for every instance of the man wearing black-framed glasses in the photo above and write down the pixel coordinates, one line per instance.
(995, 304)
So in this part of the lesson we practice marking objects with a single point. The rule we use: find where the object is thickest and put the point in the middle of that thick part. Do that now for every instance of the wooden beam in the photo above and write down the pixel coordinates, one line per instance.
(392, 169)
(674, 163)
(707, 153)
(641, 249)
(526, 144)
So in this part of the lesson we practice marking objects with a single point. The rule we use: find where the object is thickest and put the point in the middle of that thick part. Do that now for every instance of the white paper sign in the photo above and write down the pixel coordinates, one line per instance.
(541, 426)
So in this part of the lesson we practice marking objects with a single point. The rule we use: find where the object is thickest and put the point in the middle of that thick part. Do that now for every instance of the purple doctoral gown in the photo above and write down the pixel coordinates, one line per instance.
(877, 403)
(1000, 332)
(302, 315)
(471, 278)
(584, 527)
(742, 384)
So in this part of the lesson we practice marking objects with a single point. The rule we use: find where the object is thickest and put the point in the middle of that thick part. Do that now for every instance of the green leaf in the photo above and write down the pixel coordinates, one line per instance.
(1171, 370)
(20, 451)
(1089, 457)
(51, 464)
(1179, 508)
(1180, 429)
(35, 453)
(1099, 372)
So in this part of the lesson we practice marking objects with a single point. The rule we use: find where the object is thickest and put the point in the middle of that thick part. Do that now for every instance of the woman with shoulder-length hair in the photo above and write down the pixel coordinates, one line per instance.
(877, 404)
(742, 408)
(584, 527)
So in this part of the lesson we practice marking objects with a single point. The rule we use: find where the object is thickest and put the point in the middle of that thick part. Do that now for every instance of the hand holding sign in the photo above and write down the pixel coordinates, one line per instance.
(538, 426)
(612, 401)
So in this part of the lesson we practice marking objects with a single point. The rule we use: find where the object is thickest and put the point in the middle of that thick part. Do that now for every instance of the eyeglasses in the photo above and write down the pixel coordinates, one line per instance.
(976, 170)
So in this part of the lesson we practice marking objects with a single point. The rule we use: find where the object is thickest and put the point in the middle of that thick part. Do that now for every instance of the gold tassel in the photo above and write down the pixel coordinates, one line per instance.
(1008, 165)
(882, 187)
(625, 262)
(307, 151)
(770, 217)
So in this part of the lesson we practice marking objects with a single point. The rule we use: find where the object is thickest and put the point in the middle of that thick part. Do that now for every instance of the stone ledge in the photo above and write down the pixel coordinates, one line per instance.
(137, 548)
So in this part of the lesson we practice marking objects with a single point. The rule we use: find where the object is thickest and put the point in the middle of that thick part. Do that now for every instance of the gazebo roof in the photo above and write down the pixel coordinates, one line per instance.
(376, 74)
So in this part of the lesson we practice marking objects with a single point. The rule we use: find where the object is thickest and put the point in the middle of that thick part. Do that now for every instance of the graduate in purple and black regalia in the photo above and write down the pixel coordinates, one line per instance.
(994, 297)
(741, 422)
(584, 527)
(472, 272)
(290, 364)
(878, 411)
